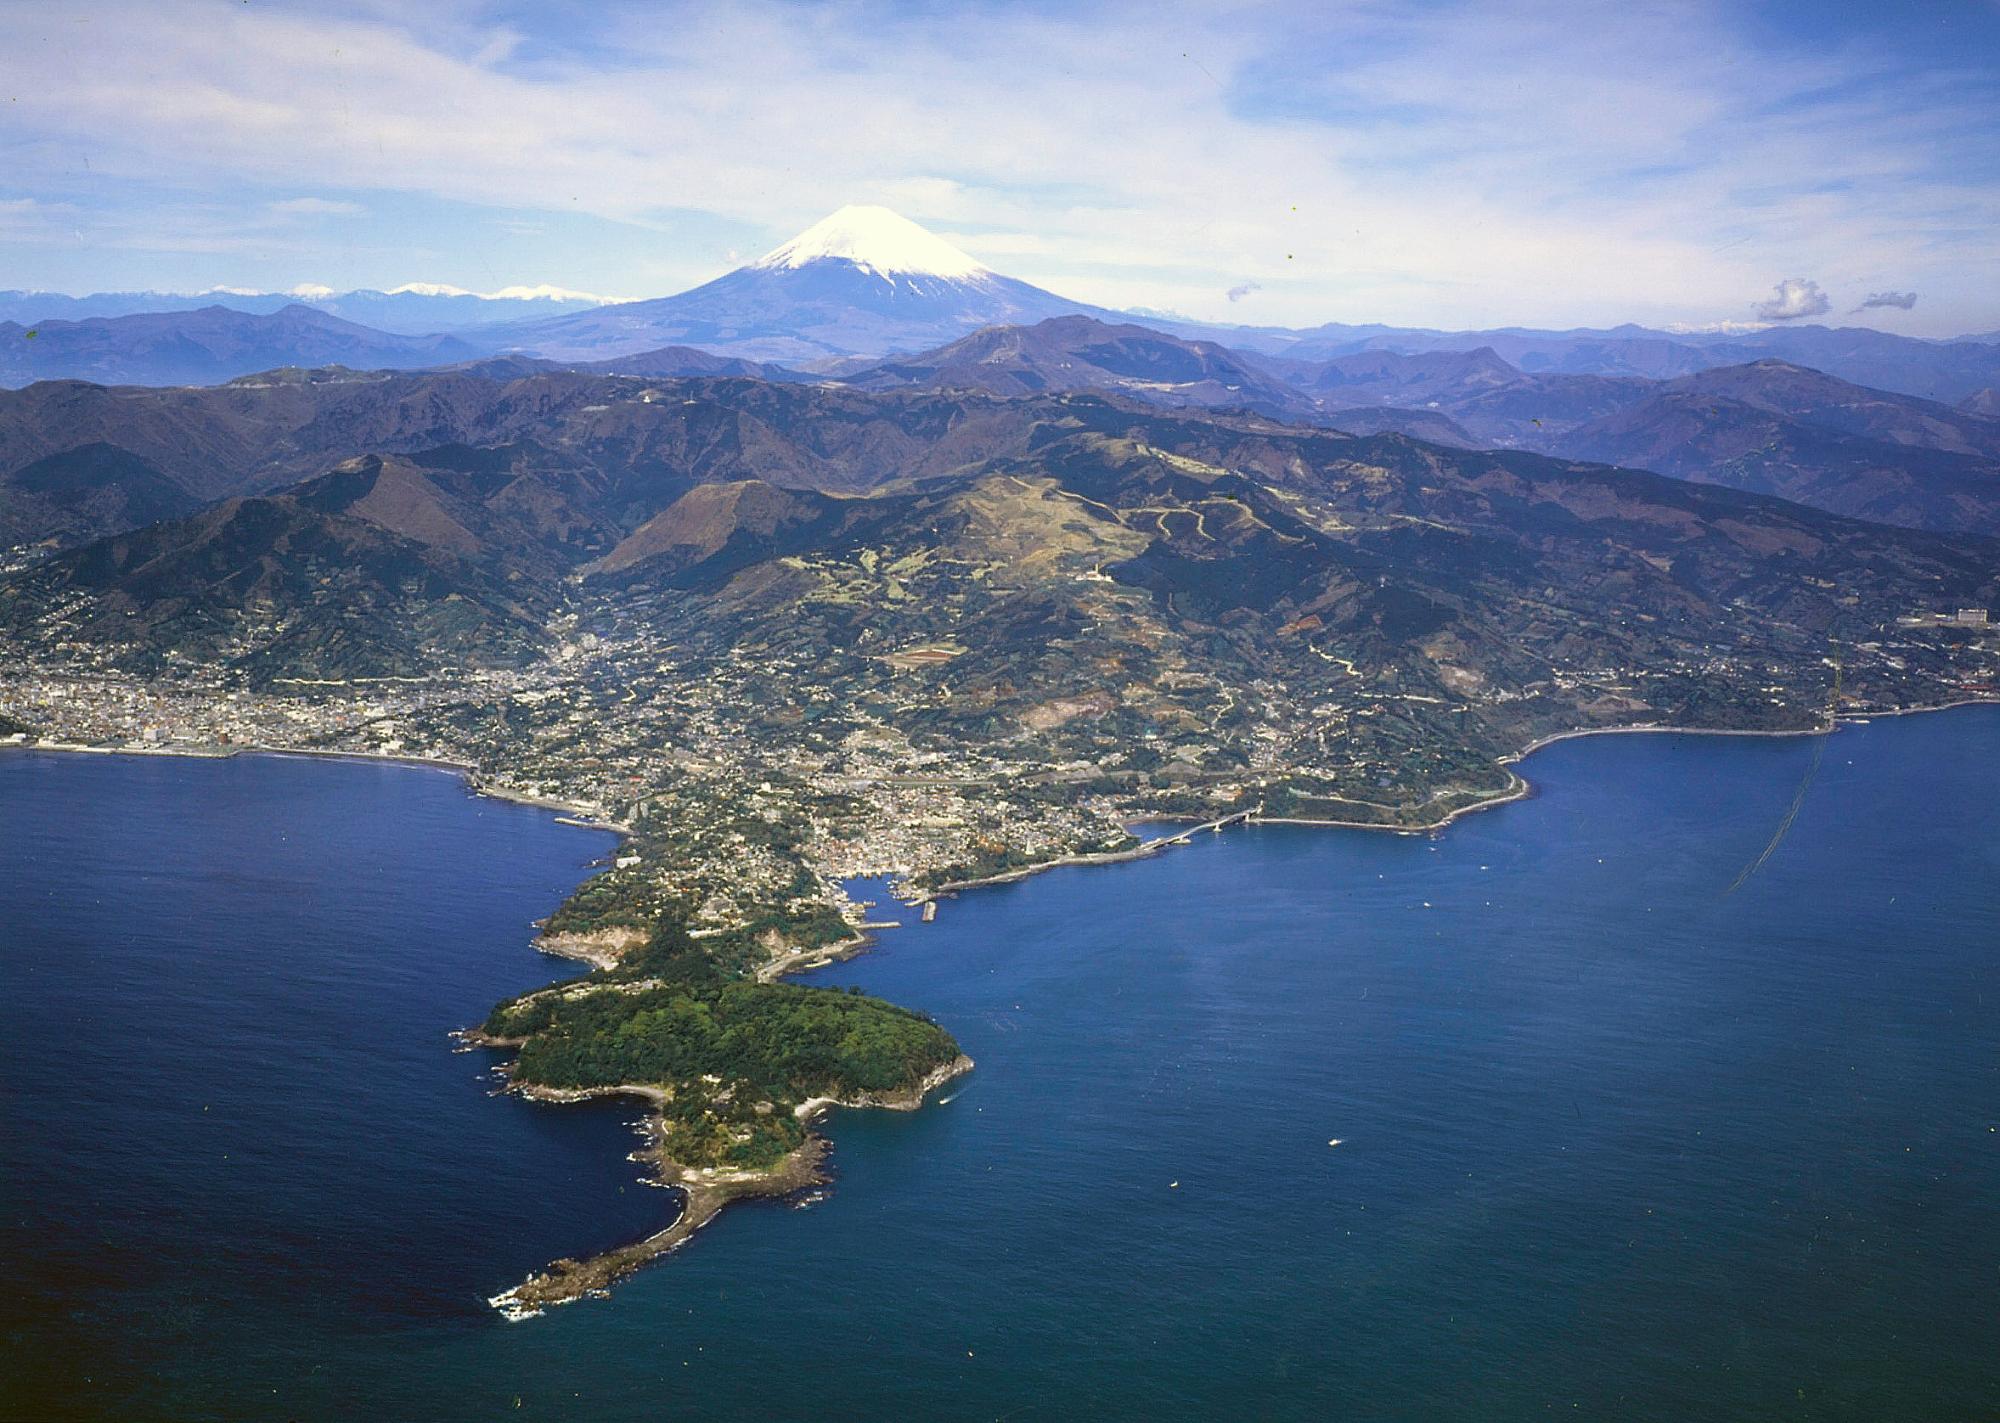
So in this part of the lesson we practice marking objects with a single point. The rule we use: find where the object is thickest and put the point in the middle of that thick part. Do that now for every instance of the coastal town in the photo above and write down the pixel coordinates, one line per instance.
(752, 788)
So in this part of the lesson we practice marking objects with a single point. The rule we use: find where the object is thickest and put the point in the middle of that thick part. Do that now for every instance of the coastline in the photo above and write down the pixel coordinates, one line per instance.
(803, 960)
(567, 1280)
(583, 817)
(1103, 857)
(704, 1190)
(705, 1194)
(1835, 724)
(1521, 789)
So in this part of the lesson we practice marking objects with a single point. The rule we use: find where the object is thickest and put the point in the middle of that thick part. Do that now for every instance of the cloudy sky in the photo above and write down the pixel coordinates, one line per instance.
(1448, 164)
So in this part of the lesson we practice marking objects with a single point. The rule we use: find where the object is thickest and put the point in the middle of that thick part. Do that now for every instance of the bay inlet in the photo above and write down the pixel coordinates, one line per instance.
(1614, 1140)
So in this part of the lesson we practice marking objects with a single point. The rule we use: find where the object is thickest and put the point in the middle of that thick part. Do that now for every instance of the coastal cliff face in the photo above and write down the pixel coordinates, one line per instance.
(600, 948)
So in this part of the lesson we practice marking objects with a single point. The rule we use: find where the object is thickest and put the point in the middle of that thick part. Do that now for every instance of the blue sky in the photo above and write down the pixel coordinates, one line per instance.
(1446, 164)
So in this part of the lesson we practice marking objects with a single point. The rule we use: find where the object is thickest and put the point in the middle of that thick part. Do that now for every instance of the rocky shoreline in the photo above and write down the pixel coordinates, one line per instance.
(704, 1190)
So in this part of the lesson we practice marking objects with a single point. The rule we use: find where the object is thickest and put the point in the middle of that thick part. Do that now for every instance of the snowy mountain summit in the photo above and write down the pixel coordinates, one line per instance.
(877, 240)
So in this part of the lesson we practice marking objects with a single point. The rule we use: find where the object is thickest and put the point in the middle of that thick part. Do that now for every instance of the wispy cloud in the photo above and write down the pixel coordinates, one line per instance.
(30, 217)
(1793, 299)
(1901, 301)
(1468, 162)
(1242, 289)
(316, 207)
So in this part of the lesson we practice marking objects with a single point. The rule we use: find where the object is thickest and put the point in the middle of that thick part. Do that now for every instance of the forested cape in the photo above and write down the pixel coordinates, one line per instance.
(735, 1057)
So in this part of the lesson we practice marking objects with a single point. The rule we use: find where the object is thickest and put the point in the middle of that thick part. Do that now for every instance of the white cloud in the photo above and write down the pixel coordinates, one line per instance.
(1792, 299)
(1467, 164)
(316, 207)
(27, 218)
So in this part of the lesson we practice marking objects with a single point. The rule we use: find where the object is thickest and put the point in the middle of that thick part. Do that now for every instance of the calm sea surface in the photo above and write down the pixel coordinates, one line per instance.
(1614, 1143)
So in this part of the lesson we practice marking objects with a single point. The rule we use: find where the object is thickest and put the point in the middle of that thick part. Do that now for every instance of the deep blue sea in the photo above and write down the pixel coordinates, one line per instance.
(1615, 1142)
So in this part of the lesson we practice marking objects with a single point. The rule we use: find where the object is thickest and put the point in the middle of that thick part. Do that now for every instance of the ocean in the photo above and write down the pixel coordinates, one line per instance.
(1615, 1139)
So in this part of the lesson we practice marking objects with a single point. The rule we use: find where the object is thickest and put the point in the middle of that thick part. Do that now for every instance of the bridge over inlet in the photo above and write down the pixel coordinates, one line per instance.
(1182, 837)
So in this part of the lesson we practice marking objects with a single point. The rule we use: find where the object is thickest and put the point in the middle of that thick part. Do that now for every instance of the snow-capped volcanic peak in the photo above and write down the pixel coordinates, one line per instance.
(876, 240)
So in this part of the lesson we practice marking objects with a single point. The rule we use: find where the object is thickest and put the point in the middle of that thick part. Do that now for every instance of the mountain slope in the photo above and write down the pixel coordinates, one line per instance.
(84, 492)
(652, 439)
(648, 440)
(1077, 543)
(1081, 353)
(521, 509)
(714, 529)
(1150, 584)
(1074, 353)
(273, 587)
(1775, 428)
(1845, 408)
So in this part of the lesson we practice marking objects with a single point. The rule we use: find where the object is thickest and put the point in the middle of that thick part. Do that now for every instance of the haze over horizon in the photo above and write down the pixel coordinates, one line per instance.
(1453, 166)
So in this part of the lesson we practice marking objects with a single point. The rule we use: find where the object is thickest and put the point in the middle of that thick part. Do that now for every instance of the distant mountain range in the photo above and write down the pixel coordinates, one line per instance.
(1937, 370)
(1775, 428)
(78, 461)
(1769, 427)
(207, 346)
(865, 284)
(872, 302)
(413, 310)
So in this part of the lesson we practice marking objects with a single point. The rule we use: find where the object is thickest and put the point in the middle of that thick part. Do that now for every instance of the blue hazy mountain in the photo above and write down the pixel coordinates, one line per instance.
(1948, 371)
(207, 346)
(414, 309)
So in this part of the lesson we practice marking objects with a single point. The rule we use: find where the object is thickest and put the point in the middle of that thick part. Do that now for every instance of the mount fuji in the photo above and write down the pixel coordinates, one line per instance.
(864, 281)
